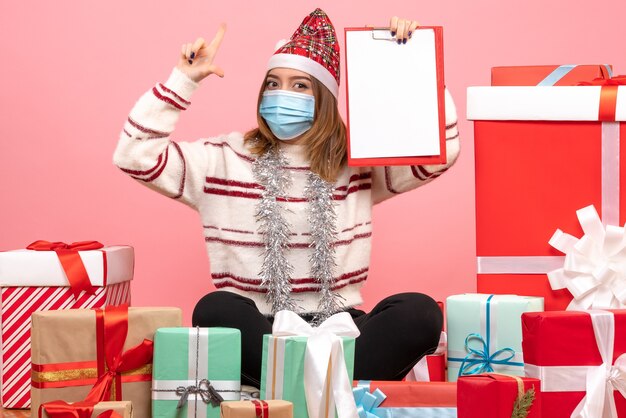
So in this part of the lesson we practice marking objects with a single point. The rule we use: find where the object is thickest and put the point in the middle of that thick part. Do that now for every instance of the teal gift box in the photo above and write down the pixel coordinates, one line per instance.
(190, 366)
(282, 370)
(485, 333)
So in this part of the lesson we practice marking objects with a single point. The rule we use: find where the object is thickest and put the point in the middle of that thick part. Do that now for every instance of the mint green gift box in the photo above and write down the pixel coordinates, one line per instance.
(183, 358)
(282, 370)
(485, 333)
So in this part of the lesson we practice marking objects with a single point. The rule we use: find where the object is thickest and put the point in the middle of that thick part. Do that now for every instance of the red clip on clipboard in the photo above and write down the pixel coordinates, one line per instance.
(395, 97)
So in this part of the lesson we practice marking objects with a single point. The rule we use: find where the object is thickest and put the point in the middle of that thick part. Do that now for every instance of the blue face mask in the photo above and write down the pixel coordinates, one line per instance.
(287, 113)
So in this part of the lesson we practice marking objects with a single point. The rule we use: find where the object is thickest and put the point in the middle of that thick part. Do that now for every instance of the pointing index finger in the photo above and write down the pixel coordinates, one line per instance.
(217, 40)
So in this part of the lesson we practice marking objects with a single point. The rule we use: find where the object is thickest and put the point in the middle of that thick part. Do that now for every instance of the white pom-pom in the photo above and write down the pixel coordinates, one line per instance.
(280, 44)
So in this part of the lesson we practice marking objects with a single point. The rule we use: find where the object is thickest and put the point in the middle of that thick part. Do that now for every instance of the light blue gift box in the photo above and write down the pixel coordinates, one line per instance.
(485, 333)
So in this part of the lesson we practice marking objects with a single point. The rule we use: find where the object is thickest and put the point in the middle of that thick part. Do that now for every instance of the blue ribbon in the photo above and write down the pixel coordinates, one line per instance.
(366, 401)
(561, 71)
(479, 360)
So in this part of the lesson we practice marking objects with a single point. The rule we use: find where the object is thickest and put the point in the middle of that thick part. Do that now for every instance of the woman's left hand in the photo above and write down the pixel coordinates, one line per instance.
(402, 29)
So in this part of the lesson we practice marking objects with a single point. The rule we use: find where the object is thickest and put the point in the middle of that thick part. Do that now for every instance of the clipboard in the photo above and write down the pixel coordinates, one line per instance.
(395, 97)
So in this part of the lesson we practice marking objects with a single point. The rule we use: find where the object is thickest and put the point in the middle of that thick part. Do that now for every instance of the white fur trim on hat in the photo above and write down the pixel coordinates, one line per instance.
(298, 62)
(280, 44)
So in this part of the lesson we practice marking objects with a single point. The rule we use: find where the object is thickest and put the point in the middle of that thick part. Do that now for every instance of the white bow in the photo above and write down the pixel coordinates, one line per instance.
(602, 380)
(326, 380)
(595, 266)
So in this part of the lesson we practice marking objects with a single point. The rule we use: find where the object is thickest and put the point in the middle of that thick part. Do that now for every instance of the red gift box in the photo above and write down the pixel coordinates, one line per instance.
(432, 367)
(562, 348)
(36, 281)
(413, 394)
(553, 75)
(493, 395)
(541, 154)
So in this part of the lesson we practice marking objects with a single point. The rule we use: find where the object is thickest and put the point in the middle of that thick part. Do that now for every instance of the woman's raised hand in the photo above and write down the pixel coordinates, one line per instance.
(196, 60)
(402, 29)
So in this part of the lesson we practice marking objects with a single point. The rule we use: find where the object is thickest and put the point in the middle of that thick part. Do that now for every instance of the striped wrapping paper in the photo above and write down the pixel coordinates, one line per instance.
(17, 303)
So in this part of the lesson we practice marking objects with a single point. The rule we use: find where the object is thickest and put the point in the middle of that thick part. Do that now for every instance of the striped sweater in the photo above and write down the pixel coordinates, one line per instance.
(214, 177)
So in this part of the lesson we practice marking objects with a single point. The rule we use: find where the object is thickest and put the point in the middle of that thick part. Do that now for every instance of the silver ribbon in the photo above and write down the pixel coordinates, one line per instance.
(207, 393)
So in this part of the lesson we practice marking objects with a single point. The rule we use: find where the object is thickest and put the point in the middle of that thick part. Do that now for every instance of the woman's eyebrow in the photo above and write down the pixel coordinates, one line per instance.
(295, 77)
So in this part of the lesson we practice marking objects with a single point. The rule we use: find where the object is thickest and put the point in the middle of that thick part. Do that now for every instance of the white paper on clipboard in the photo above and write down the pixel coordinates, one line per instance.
(392, 94)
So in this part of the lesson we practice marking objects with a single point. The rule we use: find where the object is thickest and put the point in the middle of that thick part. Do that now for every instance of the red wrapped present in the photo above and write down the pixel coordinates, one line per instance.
(494, 395)
(388, 399)
(580, 359)
(541, 154)
(95, 355)
(547, 75)
(432, 367)
(53, 276)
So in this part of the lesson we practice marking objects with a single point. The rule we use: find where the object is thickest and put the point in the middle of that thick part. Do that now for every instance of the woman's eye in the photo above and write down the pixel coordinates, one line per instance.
(301, 86)
(271, 83)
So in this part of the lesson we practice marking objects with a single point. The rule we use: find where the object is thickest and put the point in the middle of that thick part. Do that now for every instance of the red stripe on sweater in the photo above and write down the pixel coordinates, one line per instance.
(306, 280)
(181, 188)
(248, 158)
(159, 171)
(452, 125)
(299, 245)
(452, 137)
(354, 178)
(416, 174)
(249, 288)
(239, 231)
(173, 93)
(144, 172)
(388, 181)
(146, 130)
(236, 193)
(248, 195)
(226, 182)
(366, 186)
(127, 134)
(166, 99)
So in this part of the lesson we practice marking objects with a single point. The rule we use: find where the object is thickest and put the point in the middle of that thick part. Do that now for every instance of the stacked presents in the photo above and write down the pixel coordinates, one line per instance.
(546, 335)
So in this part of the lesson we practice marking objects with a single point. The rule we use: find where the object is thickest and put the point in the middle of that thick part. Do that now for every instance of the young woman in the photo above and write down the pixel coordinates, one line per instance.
(287, 223)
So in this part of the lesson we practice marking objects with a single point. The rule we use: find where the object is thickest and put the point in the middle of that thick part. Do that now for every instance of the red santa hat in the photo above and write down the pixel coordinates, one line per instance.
(313, 48)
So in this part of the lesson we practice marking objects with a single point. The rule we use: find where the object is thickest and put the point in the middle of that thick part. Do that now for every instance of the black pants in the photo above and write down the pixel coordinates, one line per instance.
(394, 335)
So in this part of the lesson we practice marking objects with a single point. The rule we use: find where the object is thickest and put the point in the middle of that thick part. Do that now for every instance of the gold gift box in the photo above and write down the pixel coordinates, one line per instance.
(124, 408)
(247, 409)
(63, 353)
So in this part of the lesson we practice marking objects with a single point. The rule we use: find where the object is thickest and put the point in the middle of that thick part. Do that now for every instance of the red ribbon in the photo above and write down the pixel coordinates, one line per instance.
(608, 95)
(111, 331)
(262, 409)
(62, 409)
(71, 262)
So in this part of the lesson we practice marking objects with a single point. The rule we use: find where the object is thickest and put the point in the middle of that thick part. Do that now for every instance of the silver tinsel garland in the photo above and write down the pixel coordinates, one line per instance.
(276, 270)
(322, 221)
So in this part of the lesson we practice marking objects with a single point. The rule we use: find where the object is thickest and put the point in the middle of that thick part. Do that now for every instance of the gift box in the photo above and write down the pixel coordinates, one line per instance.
(35, 280)
(257, 409)
(100, 410)
(579, 357)
(387, 399)
(96, 355)
(300, 362)
(541, 154)
(431, 367)
(485, 333)
(547, 75)
(194, 370)
(494, 395)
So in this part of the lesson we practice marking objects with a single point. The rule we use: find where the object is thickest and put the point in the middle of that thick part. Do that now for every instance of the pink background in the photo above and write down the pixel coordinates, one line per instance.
(71, 71)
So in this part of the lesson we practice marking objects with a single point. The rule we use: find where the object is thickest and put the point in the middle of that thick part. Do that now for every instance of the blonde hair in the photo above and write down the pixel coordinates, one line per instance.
(325, 142)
